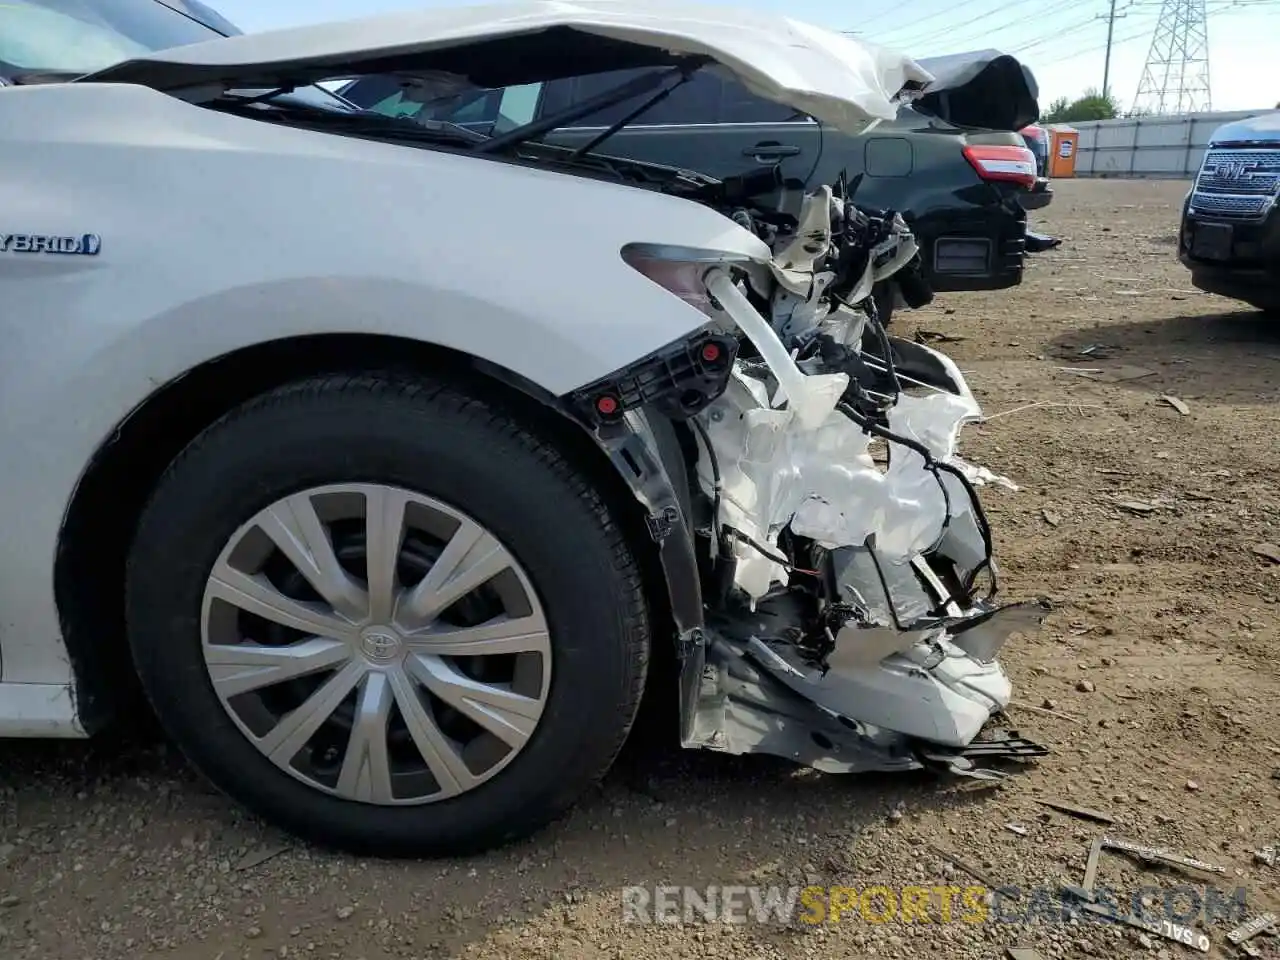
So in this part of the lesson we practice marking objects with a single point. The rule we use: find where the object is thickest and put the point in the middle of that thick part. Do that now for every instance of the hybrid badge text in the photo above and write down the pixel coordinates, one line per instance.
(85, 245)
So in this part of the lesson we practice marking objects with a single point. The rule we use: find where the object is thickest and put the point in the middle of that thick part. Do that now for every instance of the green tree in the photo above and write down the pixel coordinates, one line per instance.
(1056, 110)
(1092, 106)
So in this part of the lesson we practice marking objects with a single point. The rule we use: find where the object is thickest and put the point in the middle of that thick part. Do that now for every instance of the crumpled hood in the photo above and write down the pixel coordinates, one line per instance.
(836, 79)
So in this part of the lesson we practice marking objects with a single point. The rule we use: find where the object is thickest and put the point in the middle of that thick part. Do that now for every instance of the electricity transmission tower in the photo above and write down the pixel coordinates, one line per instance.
(1175, 78)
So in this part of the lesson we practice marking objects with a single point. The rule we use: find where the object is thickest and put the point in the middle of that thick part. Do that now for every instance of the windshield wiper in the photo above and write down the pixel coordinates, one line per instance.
(619, 94)
(357, 122)
(260, 98)
(617, 125)
(31, 77)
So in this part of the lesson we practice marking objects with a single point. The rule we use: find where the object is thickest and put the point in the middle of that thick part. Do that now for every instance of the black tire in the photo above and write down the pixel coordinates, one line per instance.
(446, 442)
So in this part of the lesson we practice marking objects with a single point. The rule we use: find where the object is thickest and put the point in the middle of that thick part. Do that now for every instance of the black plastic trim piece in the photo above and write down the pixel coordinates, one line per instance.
(677, 381)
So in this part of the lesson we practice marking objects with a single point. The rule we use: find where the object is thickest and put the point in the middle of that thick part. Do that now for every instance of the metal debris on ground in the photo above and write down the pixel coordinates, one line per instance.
(1203, 497)
(1084, 892)
(1252, 927)
(1117, 374)
(260, 855)
(1140, 507)
(933, 336)
(1083, 813)
(1188, 936)
(1177, 404)
(1017, 828)
(974, 872)
(1184, 934)
(1157, 855)
(1270, 855)
(1091, 867)
(1267, 551)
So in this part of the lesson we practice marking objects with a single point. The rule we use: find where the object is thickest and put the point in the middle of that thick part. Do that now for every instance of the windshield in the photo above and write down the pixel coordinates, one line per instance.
(206, 15)
(81, 36)
(77, 37)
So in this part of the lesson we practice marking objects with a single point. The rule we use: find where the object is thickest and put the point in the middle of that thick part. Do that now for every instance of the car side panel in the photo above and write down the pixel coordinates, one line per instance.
(219, 232)
(716, 149)
(913, 164)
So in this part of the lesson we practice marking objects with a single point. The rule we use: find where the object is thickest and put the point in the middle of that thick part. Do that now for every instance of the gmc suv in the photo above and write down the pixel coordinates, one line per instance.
(1230, 235)
(958, 180)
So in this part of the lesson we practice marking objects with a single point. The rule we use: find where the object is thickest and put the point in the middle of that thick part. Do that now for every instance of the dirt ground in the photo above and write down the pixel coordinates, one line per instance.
(1143, 523)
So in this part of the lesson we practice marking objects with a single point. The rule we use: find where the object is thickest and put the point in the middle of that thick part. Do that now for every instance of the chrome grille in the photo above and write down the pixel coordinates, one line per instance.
(1238, 184)
(1228, 206)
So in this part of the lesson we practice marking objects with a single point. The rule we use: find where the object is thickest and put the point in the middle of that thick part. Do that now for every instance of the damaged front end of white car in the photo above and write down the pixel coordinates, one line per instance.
(845, 615)
(827, 563)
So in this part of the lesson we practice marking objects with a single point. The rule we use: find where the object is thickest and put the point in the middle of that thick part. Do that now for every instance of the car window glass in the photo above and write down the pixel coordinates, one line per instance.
(475, 110)
(385, 96)
(519, 105)
(83, 36)
(740, 105)
(395, 106)
(707, 98)
(693, 102)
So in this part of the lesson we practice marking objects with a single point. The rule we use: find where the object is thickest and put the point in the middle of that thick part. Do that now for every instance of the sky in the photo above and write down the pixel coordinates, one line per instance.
(1063, 41)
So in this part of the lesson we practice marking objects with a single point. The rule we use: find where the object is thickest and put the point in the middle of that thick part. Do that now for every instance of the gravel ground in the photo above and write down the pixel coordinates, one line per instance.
(1143, 523)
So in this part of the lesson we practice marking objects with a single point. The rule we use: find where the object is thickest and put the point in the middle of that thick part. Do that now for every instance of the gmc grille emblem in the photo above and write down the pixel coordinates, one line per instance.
(1235, 169)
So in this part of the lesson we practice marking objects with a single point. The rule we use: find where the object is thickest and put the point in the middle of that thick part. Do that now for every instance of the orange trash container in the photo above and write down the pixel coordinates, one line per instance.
(1063, 142)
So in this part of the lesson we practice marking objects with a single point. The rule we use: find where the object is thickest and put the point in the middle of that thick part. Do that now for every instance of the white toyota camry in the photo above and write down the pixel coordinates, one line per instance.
(395, 458)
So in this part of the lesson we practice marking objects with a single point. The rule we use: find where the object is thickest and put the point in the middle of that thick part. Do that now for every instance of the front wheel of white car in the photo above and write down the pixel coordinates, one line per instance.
(387, 618)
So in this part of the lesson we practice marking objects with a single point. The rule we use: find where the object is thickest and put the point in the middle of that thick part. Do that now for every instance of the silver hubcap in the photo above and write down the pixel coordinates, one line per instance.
(376, 643)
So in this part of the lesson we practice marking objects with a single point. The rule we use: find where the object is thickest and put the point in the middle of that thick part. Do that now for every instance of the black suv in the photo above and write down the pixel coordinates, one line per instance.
(1230, 235)
(954, 164)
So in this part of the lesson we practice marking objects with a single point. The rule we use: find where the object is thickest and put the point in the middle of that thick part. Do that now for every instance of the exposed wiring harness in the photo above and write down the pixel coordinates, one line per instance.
(717, 490)
(931, 464)
(937, 468)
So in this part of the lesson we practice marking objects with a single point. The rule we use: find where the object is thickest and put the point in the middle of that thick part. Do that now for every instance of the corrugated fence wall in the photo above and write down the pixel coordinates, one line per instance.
(1149, 146)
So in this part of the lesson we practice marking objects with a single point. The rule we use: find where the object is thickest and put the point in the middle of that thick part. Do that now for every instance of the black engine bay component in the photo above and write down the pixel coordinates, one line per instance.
(678, 381)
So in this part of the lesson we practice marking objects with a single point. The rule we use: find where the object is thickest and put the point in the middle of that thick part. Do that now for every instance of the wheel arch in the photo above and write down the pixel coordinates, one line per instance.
(98, 527)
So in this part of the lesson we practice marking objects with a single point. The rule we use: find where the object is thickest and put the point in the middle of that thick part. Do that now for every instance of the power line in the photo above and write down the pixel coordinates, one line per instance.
(901, 35)
(1215, 6)
(1097, 48)
(892, 9)
(951, 29)
(1055, 35)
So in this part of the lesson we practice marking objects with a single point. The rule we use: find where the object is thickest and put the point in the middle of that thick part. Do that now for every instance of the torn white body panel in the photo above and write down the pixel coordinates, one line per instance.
(788, 452)
(811, 468)
(950, 695)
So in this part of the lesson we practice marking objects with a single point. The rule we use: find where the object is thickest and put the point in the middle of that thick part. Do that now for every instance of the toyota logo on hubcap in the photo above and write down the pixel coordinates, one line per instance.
(380, 646)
